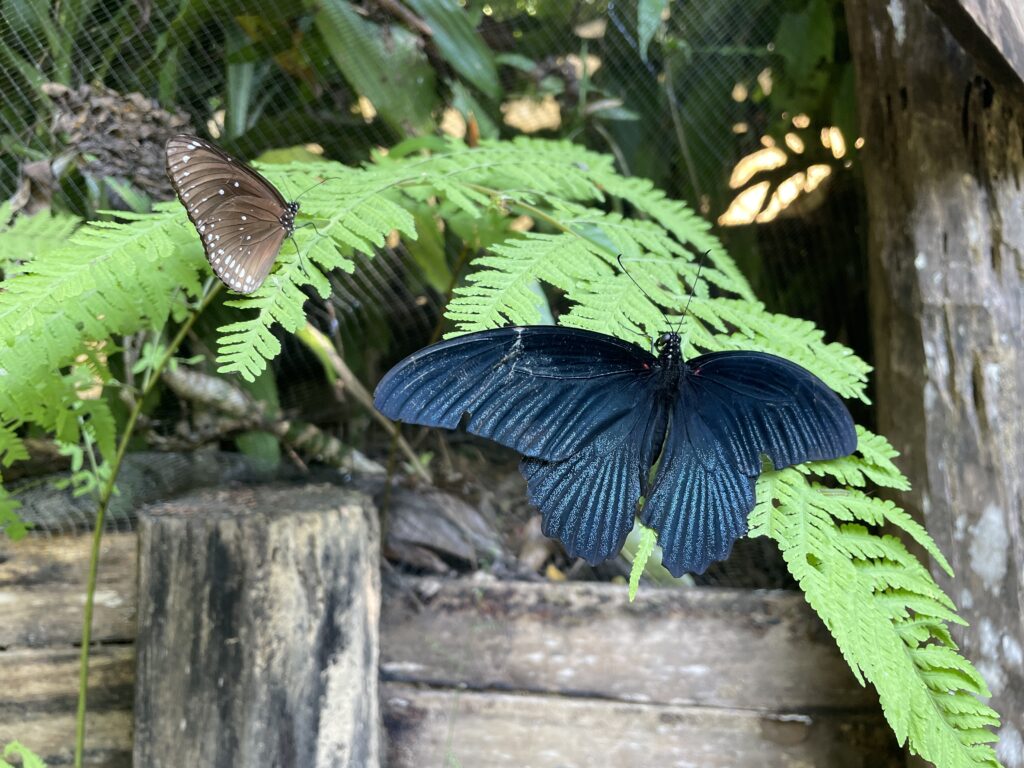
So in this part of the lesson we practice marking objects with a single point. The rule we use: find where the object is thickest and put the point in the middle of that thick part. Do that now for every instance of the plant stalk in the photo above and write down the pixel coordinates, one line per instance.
(104, 501)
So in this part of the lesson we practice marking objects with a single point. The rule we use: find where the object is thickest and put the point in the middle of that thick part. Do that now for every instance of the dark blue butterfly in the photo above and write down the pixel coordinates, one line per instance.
(591, 415)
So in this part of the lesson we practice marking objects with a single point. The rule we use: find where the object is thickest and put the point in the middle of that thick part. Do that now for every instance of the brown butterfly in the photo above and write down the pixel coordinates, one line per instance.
(241, 218)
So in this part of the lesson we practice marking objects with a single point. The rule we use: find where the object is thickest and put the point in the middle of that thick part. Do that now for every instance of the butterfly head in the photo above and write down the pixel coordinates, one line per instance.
(668, 347)
(288, 217)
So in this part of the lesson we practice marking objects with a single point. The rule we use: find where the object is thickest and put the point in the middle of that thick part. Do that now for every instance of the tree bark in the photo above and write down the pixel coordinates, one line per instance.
(943, 164)
(258, 630)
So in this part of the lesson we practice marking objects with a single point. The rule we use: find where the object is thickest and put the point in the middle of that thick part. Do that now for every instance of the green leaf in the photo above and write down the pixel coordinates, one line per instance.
(10, 524)
(388, 69)
(459, 43)
(805, 40)
(648, 540)
(29, 759)
(648, 19)
(28, 237)
(516, 61)
(467, 105)
(427, 250)
(887, 614)
(242, 82)
(137, 201)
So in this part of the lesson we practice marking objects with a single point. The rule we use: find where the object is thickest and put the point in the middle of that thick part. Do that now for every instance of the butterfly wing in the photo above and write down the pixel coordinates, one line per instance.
(543, 390)
(731, 408)
(581, 406)
(588, 501)
(237, 212)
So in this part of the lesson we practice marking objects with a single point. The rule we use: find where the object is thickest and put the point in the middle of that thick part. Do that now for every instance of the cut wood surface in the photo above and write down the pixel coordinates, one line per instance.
(751, 677)
(763, 650)
(42, 590)
(452, 728)
(258, 630)
(38, 692)
(990, 30)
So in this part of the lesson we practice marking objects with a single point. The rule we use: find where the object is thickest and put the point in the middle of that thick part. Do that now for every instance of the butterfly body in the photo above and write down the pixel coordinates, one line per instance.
(241, 218)
(593, 414)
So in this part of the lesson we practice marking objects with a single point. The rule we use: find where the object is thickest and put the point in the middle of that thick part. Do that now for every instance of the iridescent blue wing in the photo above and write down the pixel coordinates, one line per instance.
(581, 406)
(545, 391)
(731, 408)
(589, 500)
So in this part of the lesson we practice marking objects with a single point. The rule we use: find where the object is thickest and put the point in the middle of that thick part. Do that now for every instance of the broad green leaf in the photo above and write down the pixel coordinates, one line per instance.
(388, 69)
(460, 44)
(427, 250)
(648, 19)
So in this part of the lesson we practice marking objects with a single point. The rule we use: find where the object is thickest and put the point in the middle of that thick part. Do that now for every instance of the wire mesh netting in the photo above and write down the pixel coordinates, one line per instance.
(742, 108)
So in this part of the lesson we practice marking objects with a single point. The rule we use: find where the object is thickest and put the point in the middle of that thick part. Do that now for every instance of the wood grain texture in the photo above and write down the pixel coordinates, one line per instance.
(943, 168)
(452, 728)
(42, 590)
(989, 30)
(38, 696)
(258, 621)
(727, 648)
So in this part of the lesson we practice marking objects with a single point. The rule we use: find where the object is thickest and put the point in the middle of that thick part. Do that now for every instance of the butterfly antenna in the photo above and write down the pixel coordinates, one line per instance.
(299, 254)
(307, 189)
(626, 273)
(693, 289)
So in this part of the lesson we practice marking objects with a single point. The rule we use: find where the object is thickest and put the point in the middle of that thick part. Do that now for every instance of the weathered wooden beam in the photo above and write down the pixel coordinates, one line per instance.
(991, 31)
(943, 166)
(42, 590)
(748, 649)
(258, 630)
(38, 694)
(429, 727)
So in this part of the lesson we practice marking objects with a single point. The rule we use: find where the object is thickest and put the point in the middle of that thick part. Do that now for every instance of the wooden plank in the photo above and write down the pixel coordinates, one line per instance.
(258, 633)
(39, 695)
(989, 30)
(445, 727)
(42, 590)
(943, 163)
(727, 648)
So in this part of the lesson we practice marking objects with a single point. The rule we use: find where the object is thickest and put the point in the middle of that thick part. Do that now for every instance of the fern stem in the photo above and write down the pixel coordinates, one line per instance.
(103, 502)
(537, 213)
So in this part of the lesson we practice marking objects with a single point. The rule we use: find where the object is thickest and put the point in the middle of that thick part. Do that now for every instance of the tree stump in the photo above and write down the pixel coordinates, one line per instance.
(258, 630)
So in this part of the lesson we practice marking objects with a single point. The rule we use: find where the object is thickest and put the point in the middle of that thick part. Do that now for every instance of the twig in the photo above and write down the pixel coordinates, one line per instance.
(321, 347)
(399, 11)
(234, 402)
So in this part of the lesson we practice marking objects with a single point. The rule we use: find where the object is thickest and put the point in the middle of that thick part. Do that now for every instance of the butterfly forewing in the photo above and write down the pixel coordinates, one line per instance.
(241, 218)
(543, 390)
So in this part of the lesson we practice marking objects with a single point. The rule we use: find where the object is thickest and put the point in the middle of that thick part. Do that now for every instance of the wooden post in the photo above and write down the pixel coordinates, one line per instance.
(943, 126)
(258, 630)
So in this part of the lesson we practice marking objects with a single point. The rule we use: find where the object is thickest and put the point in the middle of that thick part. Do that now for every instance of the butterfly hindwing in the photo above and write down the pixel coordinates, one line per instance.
(544, 391)
(241, 218)
(588, 501)
(731, 408)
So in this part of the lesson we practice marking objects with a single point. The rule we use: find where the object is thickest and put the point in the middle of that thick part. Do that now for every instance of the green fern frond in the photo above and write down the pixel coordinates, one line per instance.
(353, 211)
(12, 449)
(11, 525)
(29, 237)
(885, 611)
(500, 292)
(875, 464)
(110, 278)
